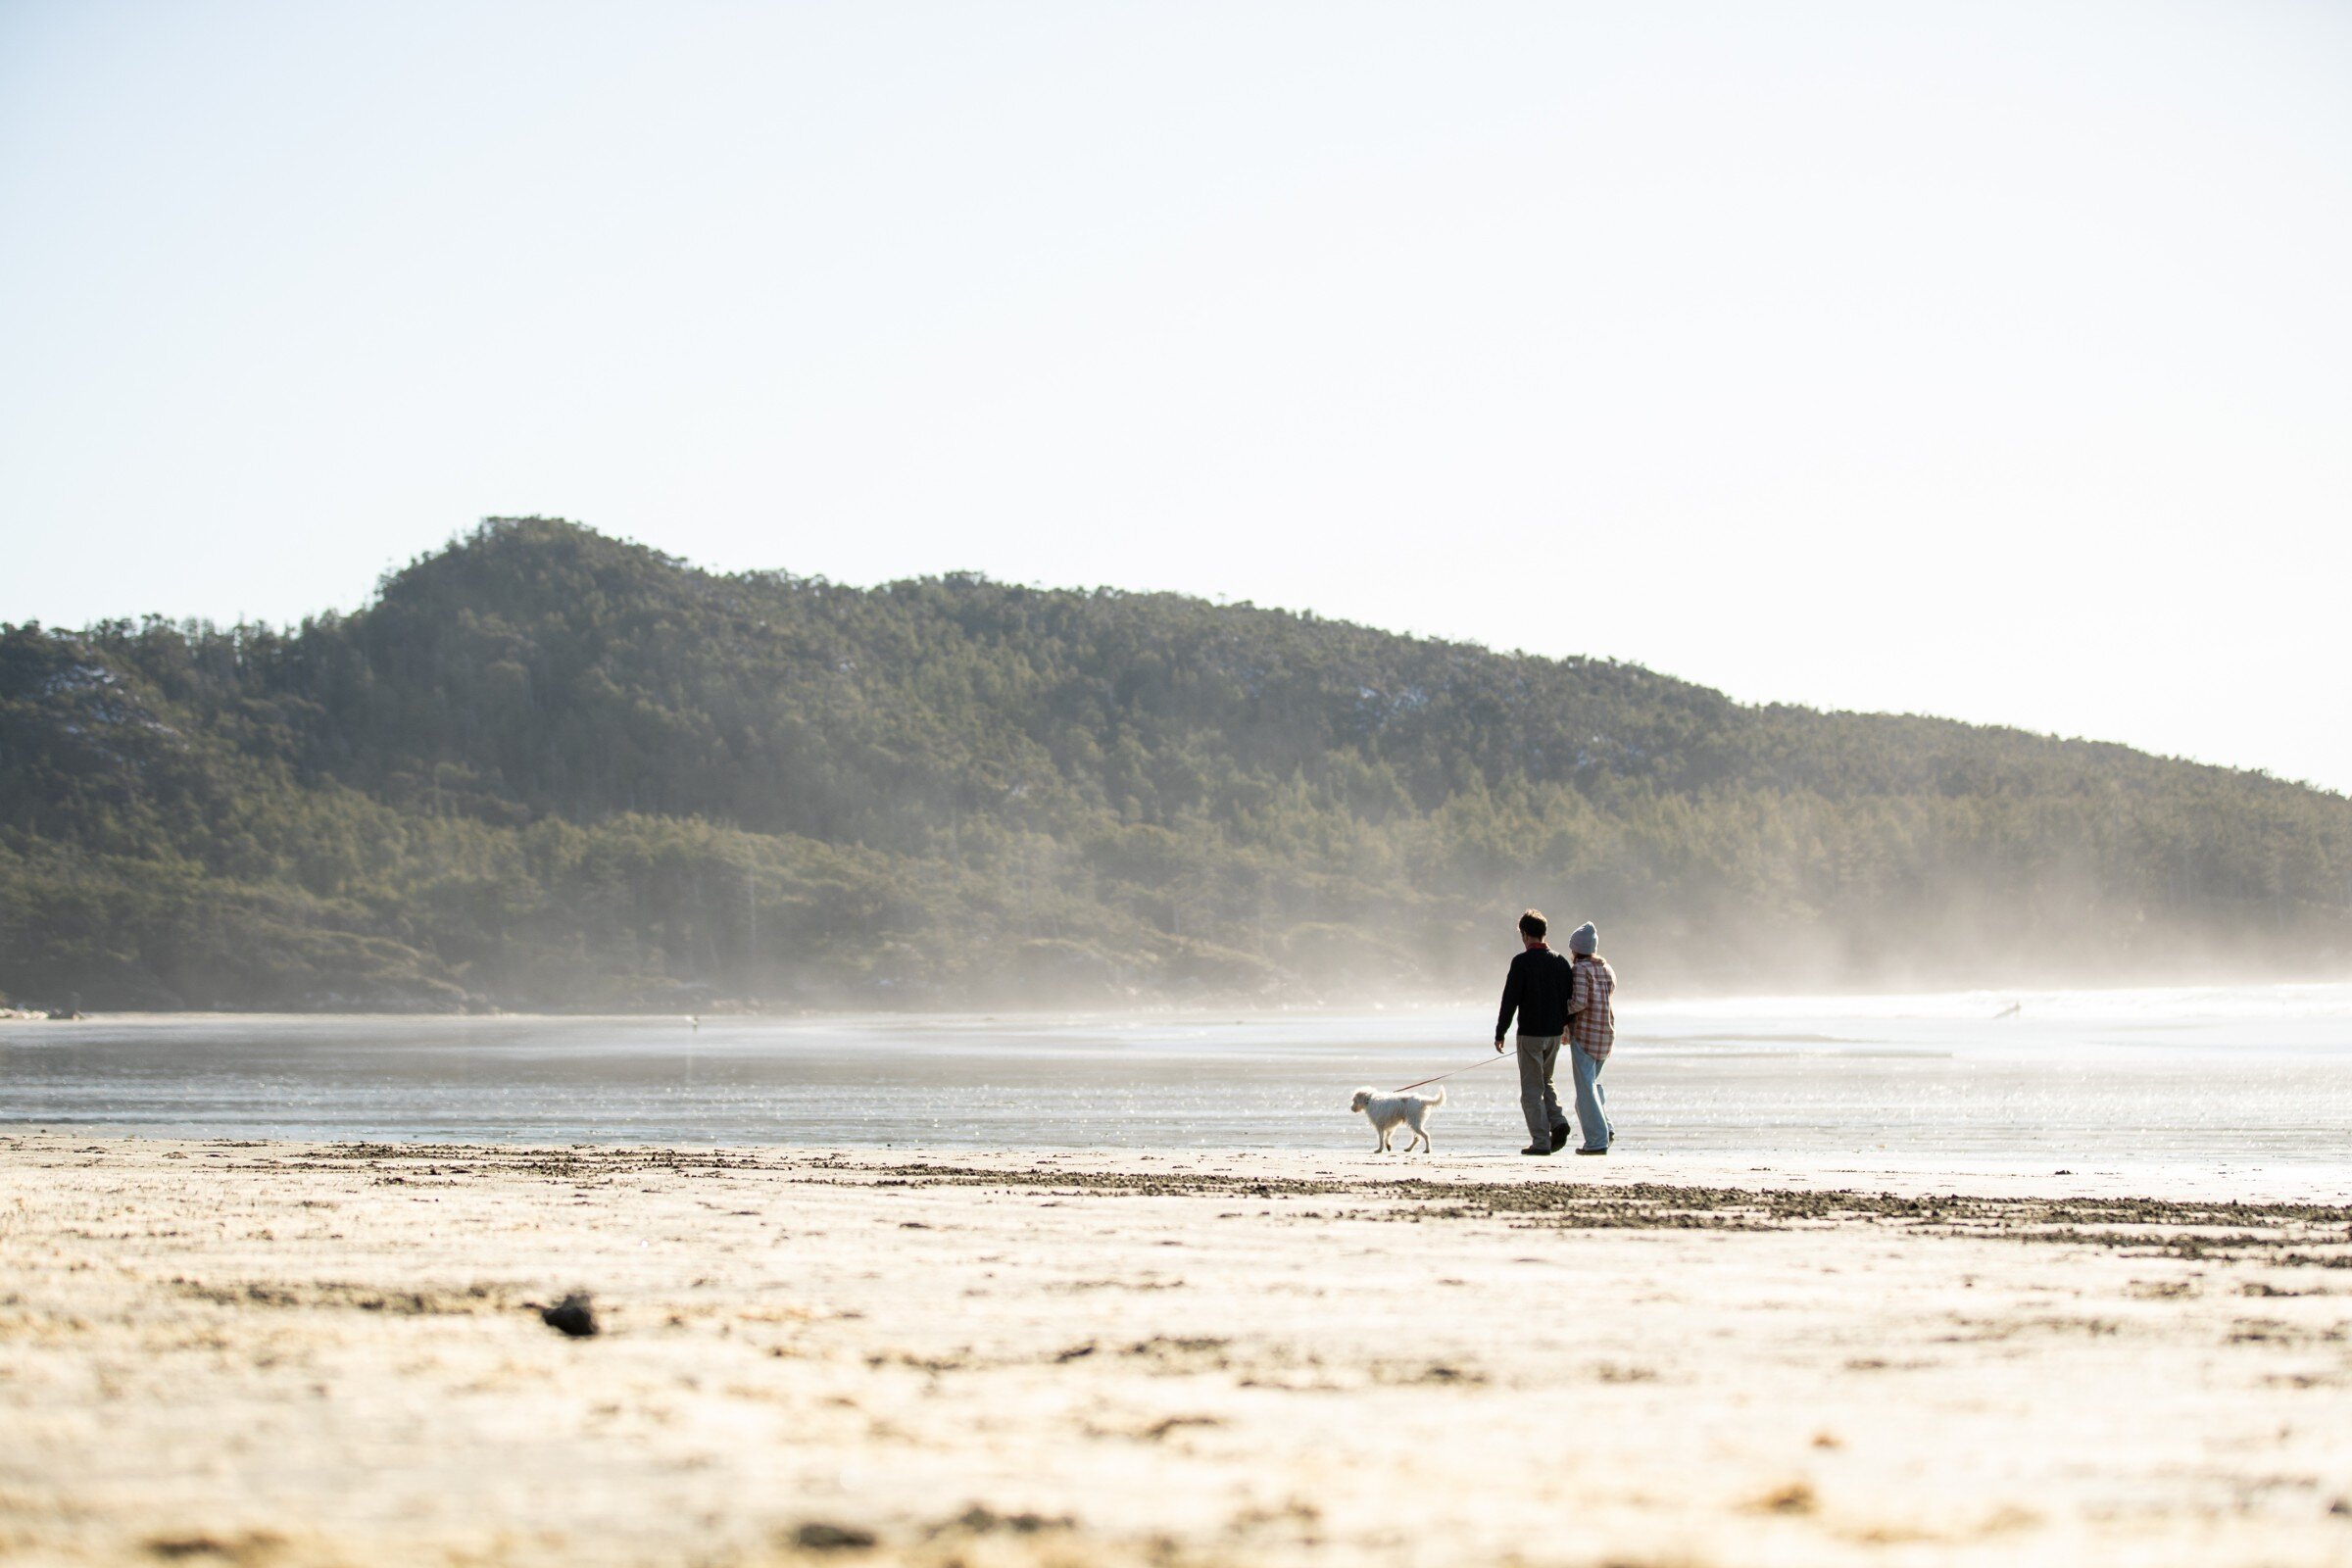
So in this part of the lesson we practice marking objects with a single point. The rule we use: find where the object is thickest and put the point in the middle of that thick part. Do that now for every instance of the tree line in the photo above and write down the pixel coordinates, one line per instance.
(548, 768)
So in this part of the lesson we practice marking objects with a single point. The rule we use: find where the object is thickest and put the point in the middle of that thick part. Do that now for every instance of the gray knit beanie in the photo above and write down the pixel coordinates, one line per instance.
(1584, 942)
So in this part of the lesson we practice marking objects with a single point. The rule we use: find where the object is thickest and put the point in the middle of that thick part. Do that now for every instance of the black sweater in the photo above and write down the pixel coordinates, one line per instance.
(1536, 991)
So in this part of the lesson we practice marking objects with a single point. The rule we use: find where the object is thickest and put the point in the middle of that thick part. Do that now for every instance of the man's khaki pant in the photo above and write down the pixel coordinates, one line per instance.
(1537, 1056)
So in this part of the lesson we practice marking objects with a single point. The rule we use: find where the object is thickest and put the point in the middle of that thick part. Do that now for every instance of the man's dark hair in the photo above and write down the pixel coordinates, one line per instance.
(1533, 924)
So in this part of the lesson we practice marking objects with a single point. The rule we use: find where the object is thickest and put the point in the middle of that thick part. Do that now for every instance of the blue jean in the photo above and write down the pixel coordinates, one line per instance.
(1591, 1104)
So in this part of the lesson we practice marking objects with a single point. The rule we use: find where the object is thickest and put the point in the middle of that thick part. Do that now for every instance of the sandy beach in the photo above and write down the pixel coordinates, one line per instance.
(295, 1353)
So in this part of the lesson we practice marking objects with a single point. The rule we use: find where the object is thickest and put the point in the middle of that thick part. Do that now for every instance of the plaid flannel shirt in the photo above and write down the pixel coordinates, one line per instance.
(1591, 1020)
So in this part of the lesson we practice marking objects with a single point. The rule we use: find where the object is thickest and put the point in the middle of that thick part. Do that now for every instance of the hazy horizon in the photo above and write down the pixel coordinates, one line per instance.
(2044, 997)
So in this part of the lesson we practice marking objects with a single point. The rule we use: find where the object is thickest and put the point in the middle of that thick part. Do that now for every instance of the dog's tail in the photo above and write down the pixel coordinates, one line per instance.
(1437, 1099)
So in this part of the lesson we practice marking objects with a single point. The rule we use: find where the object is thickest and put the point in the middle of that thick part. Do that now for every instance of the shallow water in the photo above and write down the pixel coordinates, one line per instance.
(2251, 1074)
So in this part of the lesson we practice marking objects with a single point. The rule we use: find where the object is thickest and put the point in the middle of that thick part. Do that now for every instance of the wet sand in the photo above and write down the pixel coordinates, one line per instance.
(295, 1353)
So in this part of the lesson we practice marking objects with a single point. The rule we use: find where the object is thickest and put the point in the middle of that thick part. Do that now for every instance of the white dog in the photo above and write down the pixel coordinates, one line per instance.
(1388, 1110)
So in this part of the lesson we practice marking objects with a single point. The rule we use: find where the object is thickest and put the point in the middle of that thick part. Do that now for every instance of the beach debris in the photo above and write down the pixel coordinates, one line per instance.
(250, 1546)
(980, 1520)
(818, 1536)
(1795, 1497)
(572, 1316)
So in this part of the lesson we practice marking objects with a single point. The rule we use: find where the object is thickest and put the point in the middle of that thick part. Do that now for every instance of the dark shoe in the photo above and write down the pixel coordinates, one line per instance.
(1535, 1149)
(1593, 1150)
(1559, 1139)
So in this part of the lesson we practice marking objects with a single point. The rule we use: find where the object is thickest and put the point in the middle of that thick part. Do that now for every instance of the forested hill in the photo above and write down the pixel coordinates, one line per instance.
(546, 769)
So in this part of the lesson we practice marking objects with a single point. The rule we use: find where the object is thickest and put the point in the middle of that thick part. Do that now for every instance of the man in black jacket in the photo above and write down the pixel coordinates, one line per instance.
(1537, 992)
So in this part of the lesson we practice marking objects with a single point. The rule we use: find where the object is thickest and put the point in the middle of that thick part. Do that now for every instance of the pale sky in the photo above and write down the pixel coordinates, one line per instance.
(1985, 359)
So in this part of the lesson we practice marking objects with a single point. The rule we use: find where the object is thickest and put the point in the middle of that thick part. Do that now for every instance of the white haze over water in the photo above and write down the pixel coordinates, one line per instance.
(2317, 1002)
(2222, 1075)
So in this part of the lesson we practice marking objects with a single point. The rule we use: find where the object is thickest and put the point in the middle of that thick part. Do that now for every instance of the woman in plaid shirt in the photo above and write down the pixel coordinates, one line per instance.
(1592, 1031)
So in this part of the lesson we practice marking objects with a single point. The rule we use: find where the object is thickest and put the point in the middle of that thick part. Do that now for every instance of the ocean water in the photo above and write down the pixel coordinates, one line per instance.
(2253, 1075)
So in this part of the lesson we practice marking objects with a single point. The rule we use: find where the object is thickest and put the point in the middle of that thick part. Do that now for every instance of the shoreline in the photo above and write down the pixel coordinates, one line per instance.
(1476, 1006)
(277, 1354)
(1872, 1174)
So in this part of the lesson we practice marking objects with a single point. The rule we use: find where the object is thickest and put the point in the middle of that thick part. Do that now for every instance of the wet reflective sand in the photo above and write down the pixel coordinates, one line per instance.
(2259, 1074)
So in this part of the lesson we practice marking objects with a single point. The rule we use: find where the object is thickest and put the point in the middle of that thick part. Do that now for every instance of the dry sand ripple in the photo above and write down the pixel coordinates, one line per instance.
(280, 1354)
